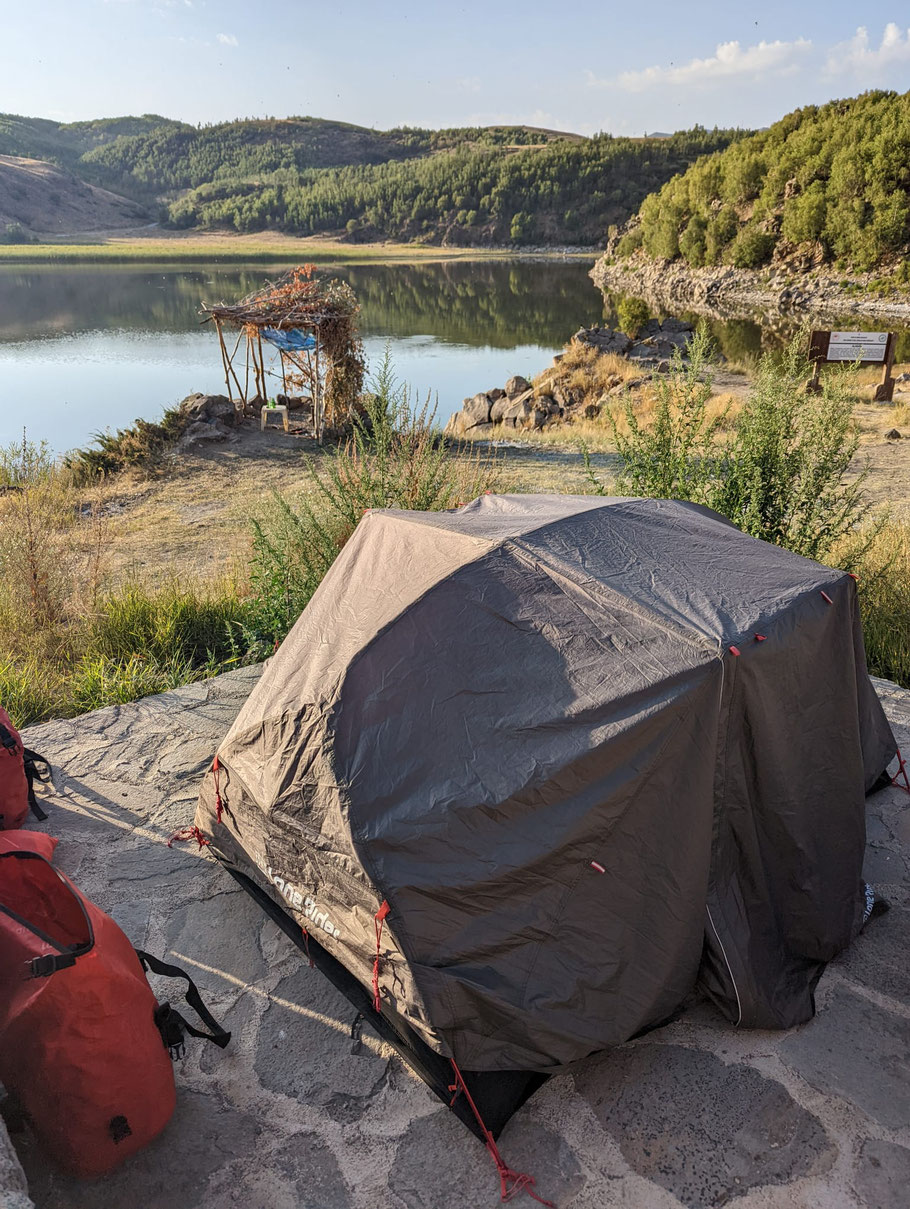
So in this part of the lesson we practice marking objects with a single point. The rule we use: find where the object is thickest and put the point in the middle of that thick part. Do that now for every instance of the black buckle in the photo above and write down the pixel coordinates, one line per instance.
(50, 963)
(357, 1033)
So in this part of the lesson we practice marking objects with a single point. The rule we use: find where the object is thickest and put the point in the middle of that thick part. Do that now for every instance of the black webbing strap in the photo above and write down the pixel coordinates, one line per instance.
(169, 1017)
(30, 762)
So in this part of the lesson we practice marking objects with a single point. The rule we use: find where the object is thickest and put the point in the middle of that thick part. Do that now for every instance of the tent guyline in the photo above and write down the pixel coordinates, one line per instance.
(311, 324)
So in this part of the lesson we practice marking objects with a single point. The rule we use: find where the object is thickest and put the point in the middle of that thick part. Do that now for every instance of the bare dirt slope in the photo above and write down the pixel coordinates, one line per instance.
(46, 199)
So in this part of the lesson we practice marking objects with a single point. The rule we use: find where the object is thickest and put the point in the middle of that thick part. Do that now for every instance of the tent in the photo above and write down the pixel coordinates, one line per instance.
(527, 773)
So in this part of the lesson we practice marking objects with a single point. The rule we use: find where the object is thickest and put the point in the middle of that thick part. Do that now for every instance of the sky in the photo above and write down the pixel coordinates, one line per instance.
(624, 69)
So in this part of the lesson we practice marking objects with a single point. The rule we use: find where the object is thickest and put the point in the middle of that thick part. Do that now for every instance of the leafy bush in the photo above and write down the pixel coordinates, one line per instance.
(782, 476)
(15, 233)
(751, 248)
(394, 458)
(673, 457)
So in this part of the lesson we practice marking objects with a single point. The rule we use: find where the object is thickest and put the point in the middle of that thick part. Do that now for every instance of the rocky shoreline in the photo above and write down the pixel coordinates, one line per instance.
(724, 292)
(553, 399)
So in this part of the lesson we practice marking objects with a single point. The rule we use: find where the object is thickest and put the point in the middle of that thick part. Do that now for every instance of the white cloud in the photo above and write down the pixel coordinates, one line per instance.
(227, 40)
(729, 59)
(857, 56)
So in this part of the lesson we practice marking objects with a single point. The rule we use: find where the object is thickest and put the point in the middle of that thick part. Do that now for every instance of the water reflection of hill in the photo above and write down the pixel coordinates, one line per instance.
(481, 303)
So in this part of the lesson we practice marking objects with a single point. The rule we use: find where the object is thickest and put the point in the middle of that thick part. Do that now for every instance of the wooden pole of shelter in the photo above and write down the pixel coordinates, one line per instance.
(318, 413)
(265, 389)
(224, 359)
(884, 392)
(230, 361)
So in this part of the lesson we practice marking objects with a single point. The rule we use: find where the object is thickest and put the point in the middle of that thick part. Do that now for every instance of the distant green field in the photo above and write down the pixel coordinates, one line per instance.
(235, 251)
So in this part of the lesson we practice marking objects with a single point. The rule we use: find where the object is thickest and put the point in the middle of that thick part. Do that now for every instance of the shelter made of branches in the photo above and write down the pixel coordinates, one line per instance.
(311, 324)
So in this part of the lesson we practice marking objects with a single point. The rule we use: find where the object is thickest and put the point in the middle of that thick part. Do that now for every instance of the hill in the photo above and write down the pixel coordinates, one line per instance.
(826, 184)
(307, 175)
(36, 196)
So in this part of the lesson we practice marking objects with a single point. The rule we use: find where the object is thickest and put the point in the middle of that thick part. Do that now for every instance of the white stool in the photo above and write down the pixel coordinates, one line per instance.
(278, 410)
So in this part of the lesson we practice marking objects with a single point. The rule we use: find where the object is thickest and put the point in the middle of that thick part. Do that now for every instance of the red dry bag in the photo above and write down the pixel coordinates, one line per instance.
(83, 1042)
(18, 771)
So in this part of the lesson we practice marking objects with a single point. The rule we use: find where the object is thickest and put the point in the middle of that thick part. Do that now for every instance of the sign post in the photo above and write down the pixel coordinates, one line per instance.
(866, 348)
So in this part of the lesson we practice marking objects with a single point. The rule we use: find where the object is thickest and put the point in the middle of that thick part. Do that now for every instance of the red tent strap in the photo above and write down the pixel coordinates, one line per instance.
(378, 920)
(219, 805)
(511, 1182)
(188, 833)
(901, 772)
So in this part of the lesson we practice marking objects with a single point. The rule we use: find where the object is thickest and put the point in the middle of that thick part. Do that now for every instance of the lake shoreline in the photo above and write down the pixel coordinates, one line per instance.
(725, 293)
(167, 248)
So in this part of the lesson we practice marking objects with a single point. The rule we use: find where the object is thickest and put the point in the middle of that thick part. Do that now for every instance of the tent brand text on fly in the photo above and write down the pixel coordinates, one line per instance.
(300, 902)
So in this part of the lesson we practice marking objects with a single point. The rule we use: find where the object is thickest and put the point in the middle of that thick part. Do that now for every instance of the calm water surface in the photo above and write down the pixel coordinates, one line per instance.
(85, 347)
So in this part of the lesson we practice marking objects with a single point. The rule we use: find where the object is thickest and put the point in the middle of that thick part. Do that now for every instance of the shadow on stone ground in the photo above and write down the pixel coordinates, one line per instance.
(696, 1114)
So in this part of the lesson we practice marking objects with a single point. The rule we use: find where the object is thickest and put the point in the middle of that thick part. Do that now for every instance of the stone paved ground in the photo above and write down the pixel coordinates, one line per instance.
(697, 1114)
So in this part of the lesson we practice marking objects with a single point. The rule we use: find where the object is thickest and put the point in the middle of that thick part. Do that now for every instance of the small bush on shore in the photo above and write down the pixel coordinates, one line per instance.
(142, 445)
(780, 474)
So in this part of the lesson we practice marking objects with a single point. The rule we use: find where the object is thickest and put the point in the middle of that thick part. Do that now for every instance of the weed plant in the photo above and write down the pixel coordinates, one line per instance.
(394, 458)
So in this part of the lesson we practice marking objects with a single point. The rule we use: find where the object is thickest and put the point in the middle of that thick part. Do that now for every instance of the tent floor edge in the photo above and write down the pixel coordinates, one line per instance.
(498, 1094)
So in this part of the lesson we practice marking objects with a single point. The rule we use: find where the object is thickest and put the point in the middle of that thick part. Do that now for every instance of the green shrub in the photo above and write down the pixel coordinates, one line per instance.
(783, 475)
(142, 445)
(394, 458)
(631, 314)
(783, 478)
(751, 248)
(672, 457)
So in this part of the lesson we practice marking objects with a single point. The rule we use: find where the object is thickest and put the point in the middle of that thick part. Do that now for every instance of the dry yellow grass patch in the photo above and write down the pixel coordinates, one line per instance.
(585, 371)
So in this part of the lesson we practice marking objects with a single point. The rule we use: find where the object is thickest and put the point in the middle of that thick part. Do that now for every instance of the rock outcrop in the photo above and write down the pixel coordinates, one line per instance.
(209, 418)
(656, 341)
(553, 400)
(724, 292)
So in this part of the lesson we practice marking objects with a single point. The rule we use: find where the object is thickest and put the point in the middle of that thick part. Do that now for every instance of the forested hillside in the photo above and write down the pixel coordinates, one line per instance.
(564, 192)
(307, 176)
(825, 184)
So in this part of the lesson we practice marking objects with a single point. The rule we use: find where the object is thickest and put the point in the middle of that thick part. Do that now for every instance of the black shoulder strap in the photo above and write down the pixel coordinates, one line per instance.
(170, 1021)
(30, 762)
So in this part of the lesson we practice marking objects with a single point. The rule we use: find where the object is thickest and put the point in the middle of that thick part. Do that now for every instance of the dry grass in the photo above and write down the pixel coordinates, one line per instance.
(583, 371)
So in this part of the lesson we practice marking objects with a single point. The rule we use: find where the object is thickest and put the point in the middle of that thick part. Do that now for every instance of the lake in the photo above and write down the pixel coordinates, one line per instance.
(88, 347)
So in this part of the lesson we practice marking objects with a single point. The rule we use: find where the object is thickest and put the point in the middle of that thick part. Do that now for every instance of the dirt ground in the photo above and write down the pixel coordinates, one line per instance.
(193, 518)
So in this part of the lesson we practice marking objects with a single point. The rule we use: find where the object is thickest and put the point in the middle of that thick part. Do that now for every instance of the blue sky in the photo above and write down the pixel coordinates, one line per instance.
(626, 68)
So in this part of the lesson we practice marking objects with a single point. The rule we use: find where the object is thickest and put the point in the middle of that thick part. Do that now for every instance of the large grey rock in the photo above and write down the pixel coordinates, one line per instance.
(517, 385)
(856, 1050)
(464, 1170)
(208, 1142)
(705, 1131)
(879, 959)
(476, 410)
(882, 1176)
(499, 408)
(301, 1054)
(208, 408)
(604, 340)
